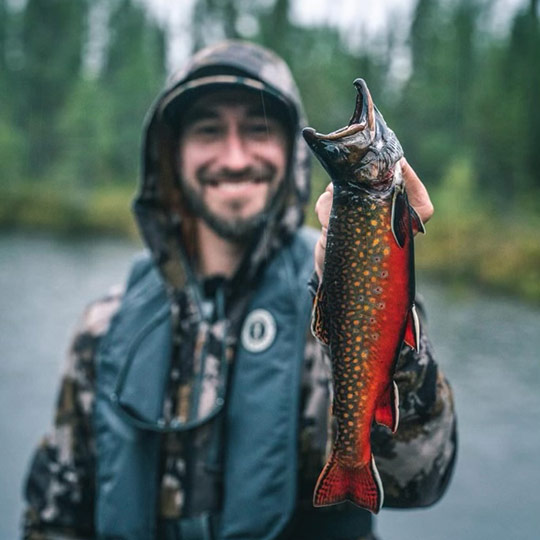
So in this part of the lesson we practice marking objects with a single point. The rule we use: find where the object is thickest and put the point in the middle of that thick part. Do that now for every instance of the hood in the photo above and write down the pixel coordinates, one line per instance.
(163, 219)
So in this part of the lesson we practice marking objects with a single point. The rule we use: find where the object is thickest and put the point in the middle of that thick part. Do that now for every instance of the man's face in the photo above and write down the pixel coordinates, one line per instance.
(232, 159)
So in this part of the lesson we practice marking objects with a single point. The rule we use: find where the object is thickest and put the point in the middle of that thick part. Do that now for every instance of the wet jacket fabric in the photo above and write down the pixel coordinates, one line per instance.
(206, 321)
(261, 426)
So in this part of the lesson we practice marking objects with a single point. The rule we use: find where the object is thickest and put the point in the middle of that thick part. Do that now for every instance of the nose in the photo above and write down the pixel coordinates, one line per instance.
(235, 155)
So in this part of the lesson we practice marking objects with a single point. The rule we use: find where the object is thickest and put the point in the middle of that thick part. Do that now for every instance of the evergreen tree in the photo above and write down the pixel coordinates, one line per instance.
(11, 137)
(435, 103)
(133, 73)
(214, 20)
(506, 118)
(52, 35)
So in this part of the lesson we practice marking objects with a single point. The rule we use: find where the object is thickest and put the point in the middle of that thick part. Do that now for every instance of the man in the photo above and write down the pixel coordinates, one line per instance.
(195, 404)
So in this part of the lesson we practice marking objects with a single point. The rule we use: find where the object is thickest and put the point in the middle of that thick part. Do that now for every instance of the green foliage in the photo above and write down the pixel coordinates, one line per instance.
(51, 36)
(435, 103)
(52, 208)
(483, 248)
(472, 240)
(468, 116)
(11, 148)
(506, 118)
(133, 73)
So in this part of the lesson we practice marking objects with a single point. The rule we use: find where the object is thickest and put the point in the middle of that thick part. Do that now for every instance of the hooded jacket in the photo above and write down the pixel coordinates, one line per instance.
(163, 218)
(60, 488)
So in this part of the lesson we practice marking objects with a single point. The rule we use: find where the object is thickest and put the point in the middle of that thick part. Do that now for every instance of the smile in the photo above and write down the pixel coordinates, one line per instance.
(235, 186)
(235, 183)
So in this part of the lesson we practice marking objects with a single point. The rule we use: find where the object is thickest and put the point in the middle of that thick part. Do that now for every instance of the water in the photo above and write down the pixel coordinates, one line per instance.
(490, 350)
(44, 286)
(488, 347)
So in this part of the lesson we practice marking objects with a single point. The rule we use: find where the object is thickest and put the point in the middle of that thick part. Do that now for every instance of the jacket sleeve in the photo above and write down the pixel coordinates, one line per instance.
(416, 463)
(59, 488)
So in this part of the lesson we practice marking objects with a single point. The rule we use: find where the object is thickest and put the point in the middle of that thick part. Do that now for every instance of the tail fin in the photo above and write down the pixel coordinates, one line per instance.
(360, 485)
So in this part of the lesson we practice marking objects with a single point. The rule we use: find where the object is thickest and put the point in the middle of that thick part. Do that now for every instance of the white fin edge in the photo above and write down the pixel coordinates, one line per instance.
(396, 407)
(378, 481)
(416, 327)
(393, 213)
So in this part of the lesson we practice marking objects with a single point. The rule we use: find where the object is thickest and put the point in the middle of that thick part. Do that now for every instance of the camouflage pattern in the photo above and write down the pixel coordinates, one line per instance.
(415, 464)
(60, 485)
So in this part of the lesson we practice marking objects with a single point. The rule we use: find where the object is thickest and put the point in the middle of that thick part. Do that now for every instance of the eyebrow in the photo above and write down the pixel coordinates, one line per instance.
(196, 113)
(209, 112)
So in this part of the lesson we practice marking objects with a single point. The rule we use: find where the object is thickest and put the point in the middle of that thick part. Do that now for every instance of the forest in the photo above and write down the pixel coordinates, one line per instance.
(76, 79)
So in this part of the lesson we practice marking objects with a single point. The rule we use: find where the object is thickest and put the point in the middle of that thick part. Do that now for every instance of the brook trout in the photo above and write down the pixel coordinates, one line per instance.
(364, 308)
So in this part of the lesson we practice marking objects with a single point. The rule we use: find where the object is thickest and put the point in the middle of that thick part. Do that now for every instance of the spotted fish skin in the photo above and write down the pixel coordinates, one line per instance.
(364, 308)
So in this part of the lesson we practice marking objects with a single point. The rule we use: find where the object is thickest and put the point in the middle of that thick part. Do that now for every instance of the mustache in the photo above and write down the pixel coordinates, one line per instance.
(263, 173)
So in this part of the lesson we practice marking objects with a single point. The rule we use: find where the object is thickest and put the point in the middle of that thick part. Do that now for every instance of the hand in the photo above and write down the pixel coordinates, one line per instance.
(416, 192)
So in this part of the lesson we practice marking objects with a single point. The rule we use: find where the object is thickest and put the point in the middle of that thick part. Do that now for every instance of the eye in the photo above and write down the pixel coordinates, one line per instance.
(258, 129)
(205, 130)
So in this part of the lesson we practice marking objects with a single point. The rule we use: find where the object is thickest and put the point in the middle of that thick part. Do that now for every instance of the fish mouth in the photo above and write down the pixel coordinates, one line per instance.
(362, 118)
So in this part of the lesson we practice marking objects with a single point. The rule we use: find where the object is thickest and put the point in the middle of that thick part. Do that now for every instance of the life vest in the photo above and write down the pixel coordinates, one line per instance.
(261, 410)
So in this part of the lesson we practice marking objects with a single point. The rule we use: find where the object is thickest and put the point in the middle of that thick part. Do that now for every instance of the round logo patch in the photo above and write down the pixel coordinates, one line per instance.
(259, 331)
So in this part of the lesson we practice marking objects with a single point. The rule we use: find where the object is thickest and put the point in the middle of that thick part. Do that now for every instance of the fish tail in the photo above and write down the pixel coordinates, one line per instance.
(360, 485)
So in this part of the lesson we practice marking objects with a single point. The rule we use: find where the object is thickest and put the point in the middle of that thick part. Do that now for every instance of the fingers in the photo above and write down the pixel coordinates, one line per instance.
(322, 209)
(416, 192)
(320, 252)
(324, 205)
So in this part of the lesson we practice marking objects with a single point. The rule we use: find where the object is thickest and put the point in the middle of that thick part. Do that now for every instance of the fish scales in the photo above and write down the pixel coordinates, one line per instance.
(364, 308)
(360, 279)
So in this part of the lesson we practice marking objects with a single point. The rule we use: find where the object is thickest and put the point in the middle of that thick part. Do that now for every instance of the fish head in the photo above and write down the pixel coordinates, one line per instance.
(363, 152)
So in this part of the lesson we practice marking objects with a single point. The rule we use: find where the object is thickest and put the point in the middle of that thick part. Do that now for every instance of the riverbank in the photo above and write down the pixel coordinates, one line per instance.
(68, 211)
(498, 255)
(464, 245)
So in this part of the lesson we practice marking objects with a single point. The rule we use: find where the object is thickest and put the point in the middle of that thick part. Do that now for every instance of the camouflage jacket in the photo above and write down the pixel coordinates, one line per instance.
(415, 464)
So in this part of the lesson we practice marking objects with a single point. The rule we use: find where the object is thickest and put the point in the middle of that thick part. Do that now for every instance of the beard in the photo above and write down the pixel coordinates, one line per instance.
(233, 229)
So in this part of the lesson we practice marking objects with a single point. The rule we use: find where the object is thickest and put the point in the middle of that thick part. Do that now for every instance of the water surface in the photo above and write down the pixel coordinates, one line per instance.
(488, 347)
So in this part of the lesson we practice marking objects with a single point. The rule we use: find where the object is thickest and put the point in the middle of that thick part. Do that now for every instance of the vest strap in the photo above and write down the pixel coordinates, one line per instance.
(203, 527)
(261, 427)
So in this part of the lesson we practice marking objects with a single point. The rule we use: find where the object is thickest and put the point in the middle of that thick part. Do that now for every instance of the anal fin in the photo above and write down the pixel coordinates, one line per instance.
(387, 411)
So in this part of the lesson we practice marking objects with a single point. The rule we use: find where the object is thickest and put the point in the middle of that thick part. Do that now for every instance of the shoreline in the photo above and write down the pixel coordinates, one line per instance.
(500, 257)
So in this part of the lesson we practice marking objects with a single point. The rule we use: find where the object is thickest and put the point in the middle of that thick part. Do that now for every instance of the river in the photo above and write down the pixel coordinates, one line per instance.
(488, 347)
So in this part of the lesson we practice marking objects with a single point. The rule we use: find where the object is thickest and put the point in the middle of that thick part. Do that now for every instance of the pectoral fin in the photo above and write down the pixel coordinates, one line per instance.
(417, 223)
(399, 216)
(412, 330)
(387, 411)
(319, 326)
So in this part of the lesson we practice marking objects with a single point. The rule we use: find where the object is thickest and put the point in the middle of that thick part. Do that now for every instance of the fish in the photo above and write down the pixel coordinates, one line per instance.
(364, 307)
